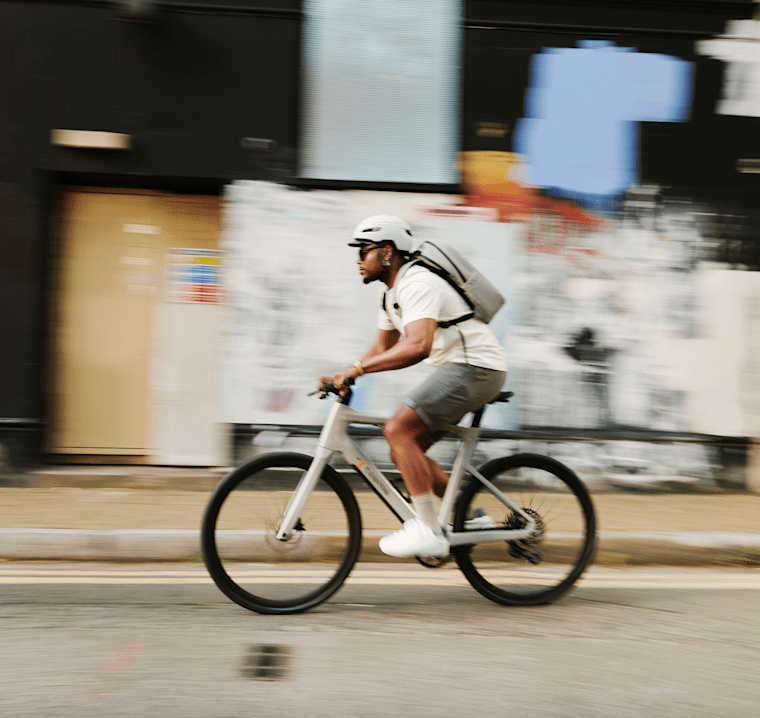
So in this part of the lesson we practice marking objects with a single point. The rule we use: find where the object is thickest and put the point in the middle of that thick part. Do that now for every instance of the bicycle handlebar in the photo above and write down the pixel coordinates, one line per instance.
(329, 388)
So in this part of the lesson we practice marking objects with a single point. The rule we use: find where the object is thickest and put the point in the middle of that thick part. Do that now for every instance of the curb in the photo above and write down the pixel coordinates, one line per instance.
(125, 477)
(615, 548)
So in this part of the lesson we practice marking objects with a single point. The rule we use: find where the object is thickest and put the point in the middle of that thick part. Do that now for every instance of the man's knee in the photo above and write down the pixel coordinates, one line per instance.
(404, 426)
(389, 431)
(394, 431)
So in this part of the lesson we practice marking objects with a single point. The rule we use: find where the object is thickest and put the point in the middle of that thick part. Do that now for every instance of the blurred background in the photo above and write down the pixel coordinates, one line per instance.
(178, 181)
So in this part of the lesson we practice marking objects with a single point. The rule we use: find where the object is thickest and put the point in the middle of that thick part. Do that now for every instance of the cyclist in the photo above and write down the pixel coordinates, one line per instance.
(469, 372)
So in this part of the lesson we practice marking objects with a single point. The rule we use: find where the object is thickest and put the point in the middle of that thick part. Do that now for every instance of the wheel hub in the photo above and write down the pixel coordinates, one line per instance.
(289, 543)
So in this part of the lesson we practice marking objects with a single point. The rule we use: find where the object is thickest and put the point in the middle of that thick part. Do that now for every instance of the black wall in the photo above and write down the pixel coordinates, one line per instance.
(187, 85)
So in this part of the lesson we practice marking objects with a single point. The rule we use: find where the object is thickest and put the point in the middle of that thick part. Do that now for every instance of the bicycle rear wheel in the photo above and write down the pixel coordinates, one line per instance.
(250, 565)
(541, 568)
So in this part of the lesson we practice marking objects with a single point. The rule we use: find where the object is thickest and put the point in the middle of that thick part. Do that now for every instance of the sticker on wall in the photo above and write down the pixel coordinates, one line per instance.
(194, 276)
(461, 213)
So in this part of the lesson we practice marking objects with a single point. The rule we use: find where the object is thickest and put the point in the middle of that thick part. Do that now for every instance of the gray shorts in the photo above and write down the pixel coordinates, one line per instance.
(451, 392)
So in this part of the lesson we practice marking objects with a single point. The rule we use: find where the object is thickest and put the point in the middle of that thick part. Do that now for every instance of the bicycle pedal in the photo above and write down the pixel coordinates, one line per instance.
(430, 562)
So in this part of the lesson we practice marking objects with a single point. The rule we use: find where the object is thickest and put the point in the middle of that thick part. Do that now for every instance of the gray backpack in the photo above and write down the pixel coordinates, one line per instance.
(481, 296)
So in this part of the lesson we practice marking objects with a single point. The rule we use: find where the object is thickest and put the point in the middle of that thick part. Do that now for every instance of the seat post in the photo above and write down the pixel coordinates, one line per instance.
(504, 396)
(476, 417)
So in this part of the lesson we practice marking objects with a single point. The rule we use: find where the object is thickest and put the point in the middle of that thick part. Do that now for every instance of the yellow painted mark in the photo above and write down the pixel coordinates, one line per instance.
(374, 577)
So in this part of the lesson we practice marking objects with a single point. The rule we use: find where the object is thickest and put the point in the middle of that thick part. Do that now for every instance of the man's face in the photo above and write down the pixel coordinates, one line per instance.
(369, 263)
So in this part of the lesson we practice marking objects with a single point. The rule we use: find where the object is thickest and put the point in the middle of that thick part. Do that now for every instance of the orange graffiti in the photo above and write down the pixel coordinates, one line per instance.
(492, 180)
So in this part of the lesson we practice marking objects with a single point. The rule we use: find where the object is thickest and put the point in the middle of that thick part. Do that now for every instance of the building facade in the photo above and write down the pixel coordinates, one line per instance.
(615, 142)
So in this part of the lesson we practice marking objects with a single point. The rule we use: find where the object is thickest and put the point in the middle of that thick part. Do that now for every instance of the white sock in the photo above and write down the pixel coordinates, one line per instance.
(424, 505)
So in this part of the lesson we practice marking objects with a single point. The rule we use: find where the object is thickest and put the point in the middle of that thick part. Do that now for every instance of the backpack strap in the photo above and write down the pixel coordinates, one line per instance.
(395, 305)
(452, 322)
(443, 274)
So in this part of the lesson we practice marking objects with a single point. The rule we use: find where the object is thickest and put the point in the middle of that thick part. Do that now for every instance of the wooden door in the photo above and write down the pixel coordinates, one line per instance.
(134, 367)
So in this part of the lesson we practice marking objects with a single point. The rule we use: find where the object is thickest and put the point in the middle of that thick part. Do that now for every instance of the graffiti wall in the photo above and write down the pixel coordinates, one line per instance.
(634, 325)
(631, 323)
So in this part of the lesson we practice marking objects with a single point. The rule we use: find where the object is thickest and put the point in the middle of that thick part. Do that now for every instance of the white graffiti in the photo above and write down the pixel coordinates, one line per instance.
(740, 48)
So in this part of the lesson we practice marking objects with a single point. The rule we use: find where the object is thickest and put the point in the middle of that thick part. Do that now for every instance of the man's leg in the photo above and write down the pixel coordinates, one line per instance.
(405, 434)
(440, 477)
(408, 423)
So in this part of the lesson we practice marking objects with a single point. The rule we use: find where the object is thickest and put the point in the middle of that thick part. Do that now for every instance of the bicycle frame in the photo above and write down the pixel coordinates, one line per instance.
(335, 438)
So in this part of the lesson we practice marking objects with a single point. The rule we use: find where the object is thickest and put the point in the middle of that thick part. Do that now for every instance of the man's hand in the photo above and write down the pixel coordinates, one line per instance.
(339, 380)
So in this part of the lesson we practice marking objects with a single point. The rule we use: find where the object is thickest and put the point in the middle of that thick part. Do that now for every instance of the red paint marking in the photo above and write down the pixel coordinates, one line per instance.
(280, 399)
(122, 658)
(95, 693)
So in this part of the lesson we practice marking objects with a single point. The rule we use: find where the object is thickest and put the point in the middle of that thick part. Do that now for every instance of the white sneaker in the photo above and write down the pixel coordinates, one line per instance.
(415, 539)
(480, 522)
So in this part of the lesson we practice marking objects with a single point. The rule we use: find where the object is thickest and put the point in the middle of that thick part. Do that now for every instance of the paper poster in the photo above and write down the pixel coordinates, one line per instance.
(194, 275)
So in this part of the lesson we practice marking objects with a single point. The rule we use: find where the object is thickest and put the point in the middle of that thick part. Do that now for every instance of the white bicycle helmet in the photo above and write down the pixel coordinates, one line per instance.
(383, 228)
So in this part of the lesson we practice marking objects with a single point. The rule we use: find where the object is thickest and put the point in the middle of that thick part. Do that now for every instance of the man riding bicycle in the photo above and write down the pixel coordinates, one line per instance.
(469, 363)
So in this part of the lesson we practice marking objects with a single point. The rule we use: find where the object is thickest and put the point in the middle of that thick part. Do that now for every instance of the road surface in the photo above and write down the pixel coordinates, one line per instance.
(82, 640)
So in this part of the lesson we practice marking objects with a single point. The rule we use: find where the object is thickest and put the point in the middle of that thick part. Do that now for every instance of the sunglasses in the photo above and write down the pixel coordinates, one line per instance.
(364, 251)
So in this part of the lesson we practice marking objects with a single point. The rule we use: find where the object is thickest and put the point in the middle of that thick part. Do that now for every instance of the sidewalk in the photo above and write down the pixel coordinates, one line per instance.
(151, 513)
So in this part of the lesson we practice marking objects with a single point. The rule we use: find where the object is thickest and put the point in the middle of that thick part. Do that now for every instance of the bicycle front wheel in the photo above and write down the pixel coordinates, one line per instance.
(246, 560)
(542, 567)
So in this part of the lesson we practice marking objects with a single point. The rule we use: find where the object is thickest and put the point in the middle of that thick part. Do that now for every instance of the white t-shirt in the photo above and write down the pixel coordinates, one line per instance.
(416, 294)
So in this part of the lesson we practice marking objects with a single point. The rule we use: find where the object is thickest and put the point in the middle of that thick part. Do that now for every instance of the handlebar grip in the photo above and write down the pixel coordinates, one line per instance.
(329, 388)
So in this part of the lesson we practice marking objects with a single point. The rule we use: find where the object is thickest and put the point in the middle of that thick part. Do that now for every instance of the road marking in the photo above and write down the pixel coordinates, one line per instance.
(697, 579)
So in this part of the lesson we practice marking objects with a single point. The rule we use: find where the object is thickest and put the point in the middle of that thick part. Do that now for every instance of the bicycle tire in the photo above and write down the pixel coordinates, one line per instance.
(544, 567)
(244, 558)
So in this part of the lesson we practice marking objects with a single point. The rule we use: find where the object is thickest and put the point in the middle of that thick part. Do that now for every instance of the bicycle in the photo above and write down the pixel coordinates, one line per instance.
(274, 513)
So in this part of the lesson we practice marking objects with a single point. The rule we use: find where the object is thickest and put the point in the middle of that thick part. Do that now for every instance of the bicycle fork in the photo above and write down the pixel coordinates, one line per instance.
(301, 495)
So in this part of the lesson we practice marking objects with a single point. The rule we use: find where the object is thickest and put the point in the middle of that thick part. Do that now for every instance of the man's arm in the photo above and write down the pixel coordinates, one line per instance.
(386, 338)
(413, 348)
(390, 352)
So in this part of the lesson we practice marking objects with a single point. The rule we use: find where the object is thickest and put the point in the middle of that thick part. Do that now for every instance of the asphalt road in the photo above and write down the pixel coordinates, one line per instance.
(160, 640)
